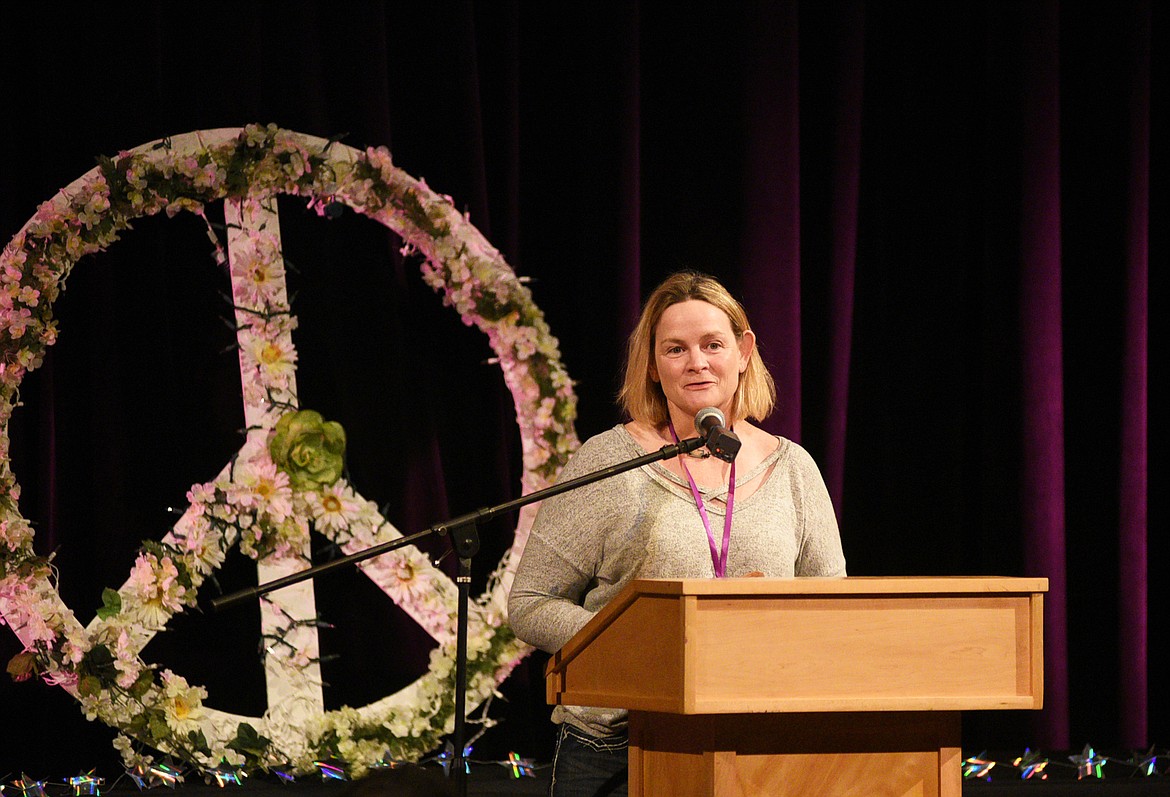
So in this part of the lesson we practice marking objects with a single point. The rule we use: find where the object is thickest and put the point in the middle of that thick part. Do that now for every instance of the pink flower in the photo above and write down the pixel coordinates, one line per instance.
(126, 660)
(260, 485)
(18, 320)
(155, 589)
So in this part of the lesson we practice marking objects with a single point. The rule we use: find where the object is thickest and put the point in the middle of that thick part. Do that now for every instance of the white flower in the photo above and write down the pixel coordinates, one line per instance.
(15, 534)
(271, 354)
(258, 272)
(131, 758)
(261, 485)
(334, 508)
(181, 703)
(442, 663)
(74, 647)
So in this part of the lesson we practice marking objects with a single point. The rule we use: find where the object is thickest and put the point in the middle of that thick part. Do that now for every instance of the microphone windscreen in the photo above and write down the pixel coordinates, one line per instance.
(707, 417)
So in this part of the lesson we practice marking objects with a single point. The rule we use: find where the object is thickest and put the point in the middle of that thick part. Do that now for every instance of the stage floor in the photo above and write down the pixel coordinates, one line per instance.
(486, 778)
(497, 780)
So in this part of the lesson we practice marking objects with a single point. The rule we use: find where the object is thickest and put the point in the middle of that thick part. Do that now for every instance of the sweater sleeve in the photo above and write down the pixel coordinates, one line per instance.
(543, 606)
(820, 552)
(562, 556)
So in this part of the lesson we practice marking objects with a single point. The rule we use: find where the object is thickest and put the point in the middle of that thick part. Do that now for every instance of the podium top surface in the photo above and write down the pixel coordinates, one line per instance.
(849, 585)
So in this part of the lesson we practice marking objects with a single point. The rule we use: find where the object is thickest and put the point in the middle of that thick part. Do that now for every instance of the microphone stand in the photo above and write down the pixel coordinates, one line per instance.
(464, 534)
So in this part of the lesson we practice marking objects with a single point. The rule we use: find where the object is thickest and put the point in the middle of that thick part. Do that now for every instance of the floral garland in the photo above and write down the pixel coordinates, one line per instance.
(287, 475)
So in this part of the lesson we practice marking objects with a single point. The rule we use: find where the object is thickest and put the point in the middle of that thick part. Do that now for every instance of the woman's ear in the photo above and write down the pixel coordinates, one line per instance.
(747, 345)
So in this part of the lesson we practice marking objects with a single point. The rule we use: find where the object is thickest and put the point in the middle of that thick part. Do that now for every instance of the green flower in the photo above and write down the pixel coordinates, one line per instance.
(309, 449)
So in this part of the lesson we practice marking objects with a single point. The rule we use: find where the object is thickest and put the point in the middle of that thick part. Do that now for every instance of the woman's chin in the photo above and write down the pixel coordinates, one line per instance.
(691, 403)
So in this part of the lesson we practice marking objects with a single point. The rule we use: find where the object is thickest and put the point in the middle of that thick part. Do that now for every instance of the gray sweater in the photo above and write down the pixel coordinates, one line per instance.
(587, 544)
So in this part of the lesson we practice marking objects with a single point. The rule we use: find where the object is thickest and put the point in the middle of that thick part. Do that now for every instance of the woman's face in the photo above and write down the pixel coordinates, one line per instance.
(697, 359)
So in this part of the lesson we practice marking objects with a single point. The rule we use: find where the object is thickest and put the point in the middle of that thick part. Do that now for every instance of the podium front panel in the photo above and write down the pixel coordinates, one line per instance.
(861, 653)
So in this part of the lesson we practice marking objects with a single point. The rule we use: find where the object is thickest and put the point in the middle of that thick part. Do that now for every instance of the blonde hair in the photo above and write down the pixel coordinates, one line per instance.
(642, 398)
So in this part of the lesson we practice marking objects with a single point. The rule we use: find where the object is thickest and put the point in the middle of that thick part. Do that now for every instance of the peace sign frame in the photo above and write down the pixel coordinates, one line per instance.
(253, 502)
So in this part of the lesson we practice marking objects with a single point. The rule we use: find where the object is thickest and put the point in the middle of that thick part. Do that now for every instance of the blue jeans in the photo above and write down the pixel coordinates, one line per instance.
(587, 766)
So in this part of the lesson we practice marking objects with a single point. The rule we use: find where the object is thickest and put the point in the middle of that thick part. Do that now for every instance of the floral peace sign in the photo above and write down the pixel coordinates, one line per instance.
(286, 477)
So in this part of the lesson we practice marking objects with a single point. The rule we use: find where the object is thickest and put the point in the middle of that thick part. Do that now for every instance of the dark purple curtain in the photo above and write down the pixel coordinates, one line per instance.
(1042, 399)
(771, 219)
(937, 216)
(1134, 609)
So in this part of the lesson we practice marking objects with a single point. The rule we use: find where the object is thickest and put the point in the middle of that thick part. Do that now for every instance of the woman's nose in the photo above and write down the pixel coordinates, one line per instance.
(697, 360)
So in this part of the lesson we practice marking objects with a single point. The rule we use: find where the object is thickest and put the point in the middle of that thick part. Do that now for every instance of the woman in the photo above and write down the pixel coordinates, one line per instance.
(765, 514)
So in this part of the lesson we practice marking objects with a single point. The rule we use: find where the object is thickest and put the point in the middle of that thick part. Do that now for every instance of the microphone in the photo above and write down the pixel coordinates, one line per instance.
(720, 441)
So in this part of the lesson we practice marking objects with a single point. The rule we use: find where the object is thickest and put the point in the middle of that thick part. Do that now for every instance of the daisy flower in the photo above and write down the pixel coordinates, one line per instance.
(334, 508)
(260, 485)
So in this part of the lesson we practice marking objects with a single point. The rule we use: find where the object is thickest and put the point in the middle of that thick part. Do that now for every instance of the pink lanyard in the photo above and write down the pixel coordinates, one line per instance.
(718, 558)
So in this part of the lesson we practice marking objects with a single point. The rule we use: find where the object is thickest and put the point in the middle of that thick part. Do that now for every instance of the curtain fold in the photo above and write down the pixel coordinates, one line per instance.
(843, 231)
(1042, 402)
(629, 293)
(770, 273)
(1134, 561)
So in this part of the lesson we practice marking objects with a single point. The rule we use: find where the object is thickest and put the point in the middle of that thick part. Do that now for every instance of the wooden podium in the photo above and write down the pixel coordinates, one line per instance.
(847, 686)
